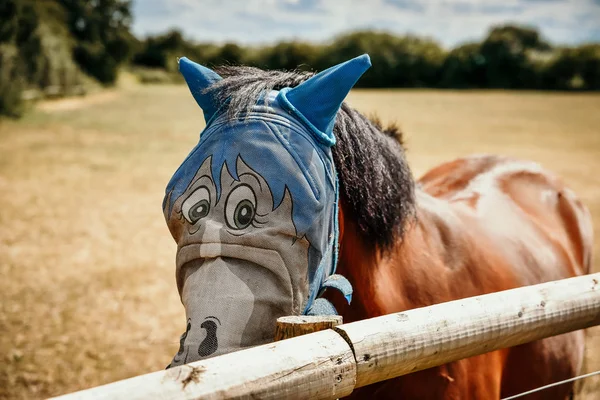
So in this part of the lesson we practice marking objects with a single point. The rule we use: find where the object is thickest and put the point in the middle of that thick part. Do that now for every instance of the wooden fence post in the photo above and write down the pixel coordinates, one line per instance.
(292, 326)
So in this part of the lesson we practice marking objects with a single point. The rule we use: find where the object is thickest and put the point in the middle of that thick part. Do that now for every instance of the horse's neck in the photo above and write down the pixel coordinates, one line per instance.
(419, 270)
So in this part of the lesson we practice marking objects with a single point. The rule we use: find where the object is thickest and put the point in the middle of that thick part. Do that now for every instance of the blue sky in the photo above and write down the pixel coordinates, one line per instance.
(448, 21)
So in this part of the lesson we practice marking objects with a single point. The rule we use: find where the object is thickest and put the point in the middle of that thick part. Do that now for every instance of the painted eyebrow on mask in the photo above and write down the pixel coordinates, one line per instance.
(199, 178)
(250, 175)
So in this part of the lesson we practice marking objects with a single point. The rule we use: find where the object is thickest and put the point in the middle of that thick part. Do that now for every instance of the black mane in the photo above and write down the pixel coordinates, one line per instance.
(376, 184)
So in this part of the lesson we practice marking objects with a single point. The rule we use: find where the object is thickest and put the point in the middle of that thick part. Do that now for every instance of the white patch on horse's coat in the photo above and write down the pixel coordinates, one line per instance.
(485, 185)
(504, 217)
(548, 196)
(488, 181)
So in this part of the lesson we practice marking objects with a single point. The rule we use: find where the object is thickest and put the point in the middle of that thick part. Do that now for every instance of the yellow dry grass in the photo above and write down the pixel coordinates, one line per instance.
(88, 294)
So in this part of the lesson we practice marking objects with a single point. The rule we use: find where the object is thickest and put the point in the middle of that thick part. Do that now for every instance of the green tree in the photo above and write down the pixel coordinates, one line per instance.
(9, 24)
(229, 53)
(20, 46)
(12, 82)
(101, 29)
(156, 51)
(589, 56)
(28, 40)
(289, 56)
(575, 68)
(505, 52)
(162, 51)
(464, 68)
(397, 61)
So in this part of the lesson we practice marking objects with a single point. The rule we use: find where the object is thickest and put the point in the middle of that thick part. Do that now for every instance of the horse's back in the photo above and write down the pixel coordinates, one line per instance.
(541, 229)
(525, 208)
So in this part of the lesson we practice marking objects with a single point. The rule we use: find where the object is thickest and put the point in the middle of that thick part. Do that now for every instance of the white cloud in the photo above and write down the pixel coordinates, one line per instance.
(448, 21)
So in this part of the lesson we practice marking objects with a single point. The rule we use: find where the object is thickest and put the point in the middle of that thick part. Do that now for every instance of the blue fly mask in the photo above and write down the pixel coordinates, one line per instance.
(254, 212)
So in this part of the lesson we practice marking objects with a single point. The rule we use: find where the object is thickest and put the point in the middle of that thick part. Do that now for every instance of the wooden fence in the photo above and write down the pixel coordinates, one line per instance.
(331, 363)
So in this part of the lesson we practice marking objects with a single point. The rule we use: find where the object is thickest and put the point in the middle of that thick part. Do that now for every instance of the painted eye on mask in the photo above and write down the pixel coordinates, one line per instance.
(197, 205)
(240, 207)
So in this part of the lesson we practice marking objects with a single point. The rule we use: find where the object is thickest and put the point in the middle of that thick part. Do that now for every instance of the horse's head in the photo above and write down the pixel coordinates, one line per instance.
(253, 209)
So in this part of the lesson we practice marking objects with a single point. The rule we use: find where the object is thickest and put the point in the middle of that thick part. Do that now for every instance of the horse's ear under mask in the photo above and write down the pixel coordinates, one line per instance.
(198, 79)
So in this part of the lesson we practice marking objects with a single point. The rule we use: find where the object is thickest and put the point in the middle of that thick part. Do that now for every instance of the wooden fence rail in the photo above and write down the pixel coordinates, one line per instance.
(331, 363)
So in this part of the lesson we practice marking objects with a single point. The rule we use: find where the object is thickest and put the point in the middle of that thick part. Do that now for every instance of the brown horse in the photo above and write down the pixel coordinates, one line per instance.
(469, 227)
(484, 224)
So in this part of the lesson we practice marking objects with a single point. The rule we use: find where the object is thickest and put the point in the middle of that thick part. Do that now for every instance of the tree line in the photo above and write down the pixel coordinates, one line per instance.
(510, 57)
(65, 44)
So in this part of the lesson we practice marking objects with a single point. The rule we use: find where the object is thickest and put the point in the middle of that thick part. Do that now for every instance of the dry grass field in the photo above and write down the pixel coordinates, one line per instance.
(87, 288)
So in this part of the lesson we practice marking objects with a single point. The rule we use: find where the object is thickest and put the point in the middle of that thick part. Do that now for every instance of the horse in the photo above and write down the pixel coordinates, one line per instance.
(294, 203)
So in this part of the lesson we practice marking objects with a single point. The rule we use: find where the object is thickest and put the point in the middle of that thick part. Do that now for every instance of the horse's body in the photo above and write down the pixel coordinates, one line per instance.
(253, 210)
(483, 224)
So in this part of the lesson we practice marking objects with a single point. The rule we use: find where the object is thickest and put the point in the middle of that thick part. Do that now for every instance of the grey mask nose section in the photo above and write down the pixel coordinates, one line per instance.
(230, 304)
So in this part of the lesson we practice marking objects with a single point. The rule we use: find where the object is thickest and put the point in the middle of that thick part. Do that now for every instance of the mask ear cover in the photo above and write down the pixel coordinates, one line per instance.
(198, 79)
(317, 100)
